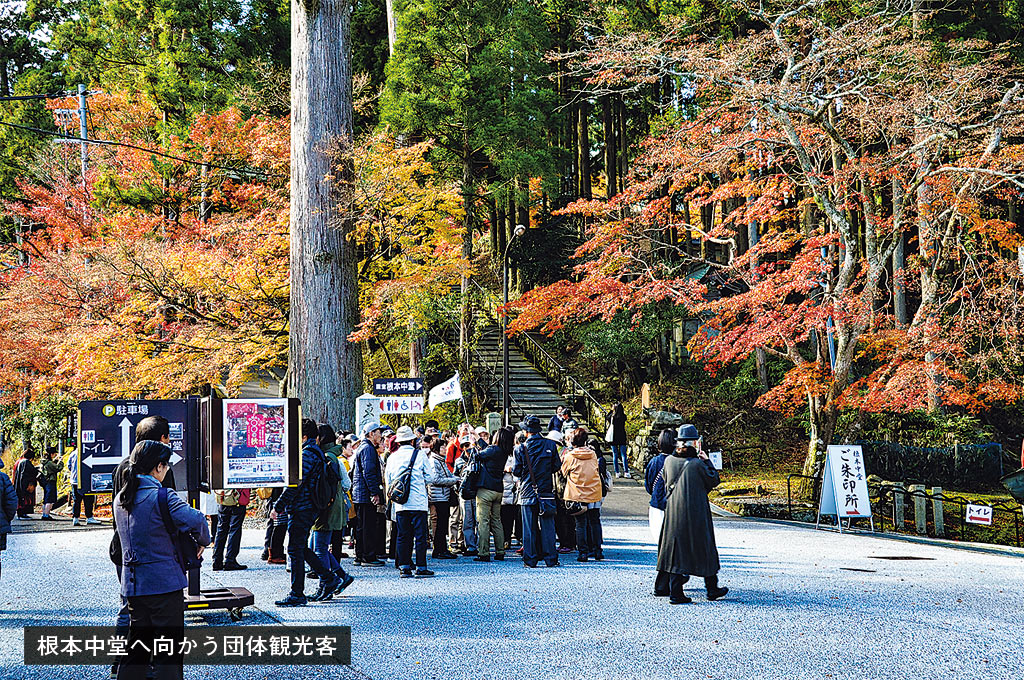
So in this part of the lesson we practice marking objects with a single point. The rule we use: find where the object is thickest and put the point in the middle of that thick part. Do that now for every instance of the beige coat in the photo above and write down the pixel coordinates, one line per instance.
(583, 481)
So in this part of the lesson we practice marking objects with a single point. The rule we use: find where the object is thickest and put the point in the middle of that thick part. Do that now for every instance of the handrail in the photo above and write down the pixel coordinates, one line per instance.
(596, 414)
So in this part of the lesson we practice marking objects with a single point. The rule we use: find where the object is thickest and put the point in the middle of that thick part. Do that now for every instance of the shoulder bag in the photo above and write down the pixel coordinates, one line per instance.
(185, 545)
(399, 490)
(545, 502)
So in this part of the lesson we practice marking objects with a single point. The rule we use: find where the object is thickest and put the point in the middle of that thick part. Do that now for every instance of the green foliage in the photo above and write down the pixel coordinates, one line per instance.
(917, 428)
(180, 54)
(471, 76)
(41, 423)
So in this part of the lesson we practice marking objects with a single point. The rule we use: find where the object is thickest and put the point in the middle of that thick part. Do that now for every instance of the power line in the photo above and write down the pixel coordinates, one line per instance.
(105, 142)
(26, 97)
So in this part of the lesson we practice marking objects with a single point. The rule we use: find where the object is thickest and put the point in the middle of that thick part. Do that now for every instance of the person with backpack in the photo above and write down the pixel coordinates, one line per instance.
(231, 507)
(154, 570)
(536, 461)
(8, 506)
(465, 470)
(407, 475)
(334, 518)
(313, 495)
(51, 468)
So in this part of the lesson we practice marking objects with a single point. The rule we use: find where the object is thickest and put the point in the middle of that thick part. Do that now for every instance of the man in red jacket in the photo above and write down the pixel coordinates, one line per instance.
(231, 513)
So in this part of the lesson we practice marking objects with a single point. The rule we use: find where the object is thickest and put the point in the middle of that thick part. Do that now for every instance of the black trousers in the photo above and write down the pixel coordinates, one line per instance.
(442, 513)
(370, 539)
(229, 534)
(78, 498)
(512, 521)
(153, 616)
(588, 533)
(412, 527)
(565, 527)
(337, 543)
(673, 583)
(301, 554)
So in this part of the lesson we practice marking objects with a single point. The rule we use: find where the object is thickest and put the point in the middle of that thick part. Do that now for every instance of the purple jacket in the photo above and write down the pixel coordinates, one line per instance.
(148, 555)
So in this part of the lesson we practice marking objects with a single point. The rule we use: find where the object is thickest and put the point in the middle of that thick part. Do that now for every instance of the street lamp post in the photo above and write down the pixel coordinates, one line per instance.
(505, 402)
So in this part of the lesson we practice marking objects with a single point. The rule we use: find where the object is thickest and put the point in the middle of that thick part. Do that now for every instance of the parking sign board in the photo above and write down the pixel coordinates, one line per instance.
(107, 435)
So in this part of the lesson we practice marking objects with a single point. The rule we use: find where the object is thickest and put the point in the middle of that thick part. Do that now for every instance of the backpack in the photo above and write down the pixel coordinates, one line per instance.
(227, 497)
(398, 490)
(325, 483)
(470, 479)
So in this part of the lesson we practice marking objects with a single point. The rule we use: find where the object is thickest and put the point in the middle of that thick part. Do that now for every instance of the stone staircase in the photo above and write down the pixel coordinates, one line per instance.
(529, 390)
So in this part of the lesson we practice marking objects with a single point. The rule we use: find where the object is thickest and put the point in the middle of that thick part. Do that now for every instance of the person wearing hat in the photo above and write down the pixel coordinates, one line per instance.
(469, 444)
(535, 461)
(152, 576)
(687, 546)
(411, 516)
(367, 495)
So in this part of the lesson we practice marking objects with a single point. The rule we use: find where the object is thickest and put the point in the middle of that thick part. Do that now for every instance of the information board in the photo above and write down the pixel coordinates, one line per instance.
(256, 433)
(106, 435)
(844, 491)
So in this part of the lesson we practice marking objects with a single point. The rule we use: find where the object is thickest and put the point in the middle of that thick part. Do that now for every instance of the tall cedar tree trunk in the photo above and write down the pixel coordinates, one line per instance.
(583, 138)
(610, 164)
(466, 320)
(325, 369)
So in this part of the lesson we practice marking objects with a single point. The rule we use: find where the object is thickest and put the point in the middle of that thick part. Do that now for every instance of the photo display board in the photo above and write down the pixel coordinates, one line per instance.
(255, 445)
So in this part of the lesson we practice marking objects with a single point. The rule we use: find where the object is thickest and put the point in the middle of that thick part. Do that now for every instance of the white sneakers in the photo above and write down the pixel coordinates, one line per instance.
(75, 522)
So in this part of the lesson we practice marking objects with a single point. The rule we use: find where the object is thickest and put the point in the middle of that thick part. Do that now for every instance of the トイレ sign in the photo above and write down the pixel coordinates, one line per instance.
(844, 491)
(978, 514)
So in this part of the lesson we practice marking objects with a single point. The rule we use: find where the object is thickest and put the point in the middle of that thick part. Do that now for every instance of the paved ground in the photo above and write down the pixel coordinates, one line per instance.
(803, 604)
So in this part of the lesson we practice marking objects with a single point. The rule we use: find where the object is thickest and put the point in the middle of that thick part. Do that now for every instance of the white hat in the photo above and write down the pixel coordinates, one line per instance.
(405, 434)
(481, 430)
(556, 436)
(369, 427)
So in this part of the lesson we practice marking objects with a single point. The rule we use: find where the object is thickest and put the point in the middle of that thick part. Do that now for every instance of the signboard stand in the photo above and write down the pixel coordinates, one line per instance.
(844, 490)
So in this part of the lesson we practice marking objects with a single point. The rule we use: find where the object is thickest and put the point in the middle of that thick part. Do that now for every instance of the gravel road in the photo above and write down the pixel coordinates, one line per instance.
(803, 604)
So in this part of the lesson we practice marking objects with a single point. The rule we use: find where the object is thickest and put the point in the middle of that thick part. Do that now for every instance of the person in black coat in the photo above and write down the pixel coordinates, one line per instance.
(535, 462)
(26, 474)
(617, 423)
(687, 544)
(490, 487)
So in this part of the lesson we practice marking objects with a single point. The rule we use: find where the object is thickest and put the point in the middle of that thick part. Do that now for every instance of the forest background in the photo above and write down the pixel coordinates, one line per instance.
(819, 202)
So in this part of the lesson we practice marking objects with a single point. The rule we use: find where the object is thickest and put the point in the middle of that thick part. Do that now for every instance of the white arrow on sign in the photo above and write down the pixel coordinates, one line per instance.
(126, 436)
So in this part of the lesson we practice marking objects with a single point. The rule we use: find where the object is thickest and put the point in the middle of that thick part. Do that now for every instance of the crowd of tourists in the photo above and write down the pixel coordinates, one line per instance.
(388, 495)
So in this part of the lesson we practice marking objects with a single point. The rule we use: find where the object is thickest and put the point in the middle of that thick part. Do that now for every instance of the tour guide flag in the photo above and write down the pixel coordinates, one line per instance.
(446, 391)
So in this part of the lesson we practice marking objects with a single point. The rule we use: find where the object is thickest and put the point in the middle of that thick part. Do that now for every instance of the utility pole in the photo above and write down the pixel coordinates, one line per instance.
(83, 133)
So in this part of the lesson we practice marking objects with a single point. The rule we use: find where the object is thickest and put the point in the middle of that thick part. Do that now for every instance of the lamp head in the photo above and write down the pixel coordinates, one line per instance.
(519, 230)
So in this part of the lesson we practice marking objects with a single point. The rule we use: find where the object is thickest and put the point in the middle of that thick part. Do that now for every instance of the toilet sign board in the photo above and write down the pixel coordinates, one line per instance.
(844, 491)
(978, 514)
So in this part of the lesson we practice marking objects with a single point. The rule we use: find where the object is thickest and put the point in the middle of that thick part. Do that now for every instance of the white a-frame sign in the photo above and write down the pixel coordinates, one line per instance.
(844, 491)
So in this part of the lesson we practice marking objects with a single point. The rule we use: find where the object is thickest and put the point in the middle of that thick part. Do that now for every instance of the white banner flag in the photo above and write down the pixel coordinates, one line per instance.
(446, 391)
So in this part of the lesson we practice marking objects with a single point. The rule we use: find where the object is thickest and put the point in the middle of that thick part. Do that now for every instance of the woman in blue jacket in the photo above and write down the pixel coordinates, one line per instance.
(152, 575)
